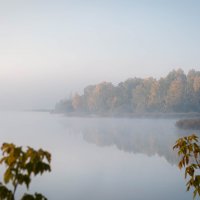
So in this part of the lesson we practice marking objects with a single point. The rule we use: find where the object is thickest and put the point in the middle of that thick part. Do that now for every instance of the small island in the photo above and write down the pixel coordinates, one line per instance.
(189, 124)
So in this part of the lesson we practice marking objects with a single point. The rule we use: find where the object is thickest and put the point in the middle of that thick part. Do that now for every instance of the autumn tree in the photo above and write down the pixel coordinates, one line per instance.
(21, 166)
(177, 92)
(189, 151)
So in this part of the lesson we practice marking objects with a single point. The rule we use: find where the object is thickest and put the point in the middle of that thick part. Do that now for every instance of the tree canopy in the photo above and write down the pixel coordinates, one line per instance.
(177, 92)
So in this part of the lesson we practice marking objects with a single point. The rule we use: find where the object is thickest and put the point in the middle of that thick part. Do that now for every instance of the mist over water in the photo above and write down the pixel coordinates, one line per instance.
(80, 58)
(101, 158)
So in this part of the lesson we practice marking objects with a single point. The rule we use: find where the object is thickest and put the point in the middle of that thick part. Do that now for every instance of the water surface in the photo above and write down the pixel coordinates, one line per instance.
(101, 158)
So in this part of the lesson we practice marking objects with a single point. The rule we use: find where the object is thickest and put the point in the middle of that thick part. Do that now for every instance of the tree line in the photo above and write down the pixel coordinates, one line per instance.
(177, 92)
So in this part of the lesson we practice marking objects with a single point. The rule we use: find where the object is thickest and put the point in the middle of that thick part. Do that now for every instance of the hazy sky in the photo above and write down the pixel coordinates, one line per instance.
(50, 48)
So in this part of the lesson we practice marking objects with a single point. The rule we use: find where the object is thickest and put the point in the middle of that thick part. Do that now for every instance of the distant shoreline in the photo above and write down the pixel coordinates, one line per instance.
(39, 110)
(131, 115)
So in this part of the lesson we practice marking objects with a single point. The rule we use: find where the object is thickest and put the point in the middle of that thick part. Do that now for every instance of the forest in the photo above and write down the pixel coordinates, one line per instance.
(176, 93)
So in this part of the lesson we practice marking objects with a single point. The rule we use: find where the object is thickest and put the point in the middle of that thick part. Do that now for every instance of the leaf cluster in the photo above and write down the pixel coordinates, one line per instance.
(20, 166)
(36, 196)
(5, 193)
(189, 151)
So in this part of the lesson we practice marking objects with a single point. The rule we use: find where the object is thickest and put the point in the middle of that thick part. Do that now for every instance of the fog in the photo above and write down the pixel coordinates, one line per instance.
(100, 158)
(52, 49)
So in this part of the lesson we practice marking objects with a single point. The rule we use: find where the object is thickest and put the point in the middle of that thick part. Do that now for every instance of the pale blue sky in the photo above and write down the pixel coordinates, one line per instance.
(49, 49)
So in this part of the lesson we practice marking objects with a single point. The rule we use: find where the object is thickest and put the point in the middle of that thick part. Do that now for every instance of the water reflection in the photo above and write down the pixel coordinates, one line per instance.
(146, 136)
(100, 158)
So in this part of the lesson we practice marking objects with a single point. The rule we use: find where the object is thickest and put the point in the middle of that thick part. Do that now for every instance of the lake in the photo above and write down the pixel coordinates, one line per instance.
(101, 158)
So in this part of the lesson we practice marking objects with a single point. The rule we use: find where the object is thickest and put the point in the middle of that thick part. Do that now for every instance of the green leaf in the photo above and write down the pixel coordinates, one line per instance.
(36, 196)
(5, 193)
(8, 176)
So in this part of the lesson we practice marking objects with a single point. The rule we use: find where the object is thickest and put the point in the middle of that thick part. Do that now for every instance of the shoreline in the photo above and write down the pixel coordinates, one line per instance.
(132, 115)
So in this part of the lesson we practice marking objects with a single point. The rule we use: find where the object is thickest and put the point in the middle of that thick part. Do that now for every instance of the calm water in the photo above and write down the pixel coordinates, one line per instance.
(101, 159)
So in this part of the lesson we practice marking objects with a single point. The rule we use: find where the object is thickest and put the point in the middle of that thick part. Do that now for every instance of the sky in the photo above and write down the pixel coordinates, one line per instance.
(51, 49)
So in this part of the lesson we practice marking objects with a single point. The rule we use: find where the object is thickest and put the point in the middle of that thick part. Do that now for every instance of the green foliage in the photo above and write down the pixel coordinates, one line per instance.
(189, 151)
(5, 193)
(20, 166)
(33, 197)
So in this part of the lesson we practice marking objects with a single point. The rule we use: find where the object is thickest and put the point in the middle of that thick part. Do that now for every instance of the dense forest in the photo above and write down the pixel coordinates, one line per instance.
(177, 92)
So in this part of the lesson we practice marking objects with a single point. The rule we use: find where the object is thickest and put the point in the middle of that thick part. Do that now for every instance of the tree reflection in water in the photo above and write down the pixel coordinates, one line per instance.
(146, 136)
